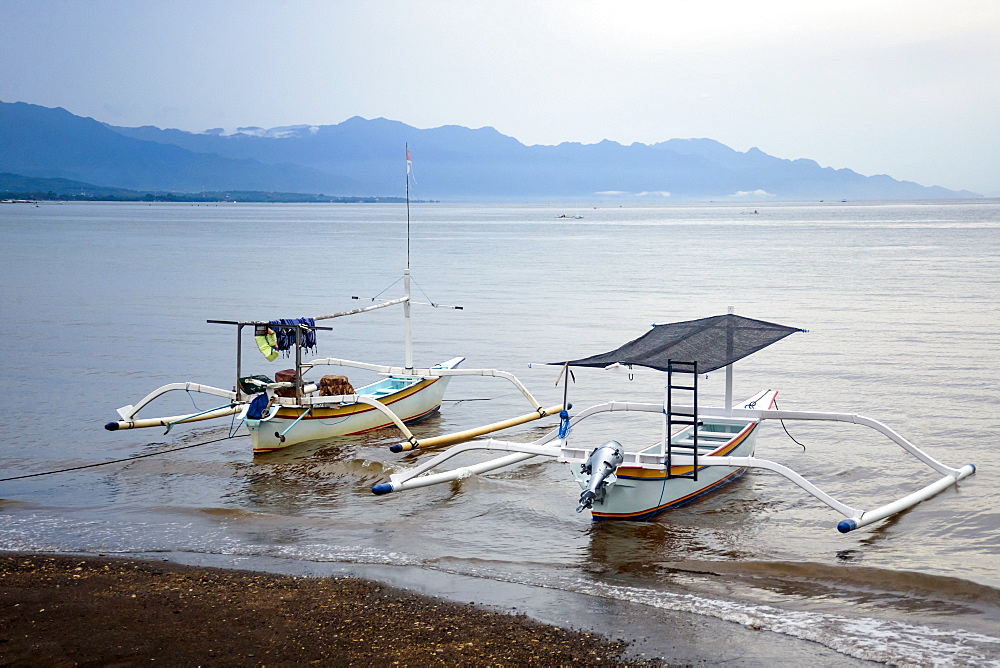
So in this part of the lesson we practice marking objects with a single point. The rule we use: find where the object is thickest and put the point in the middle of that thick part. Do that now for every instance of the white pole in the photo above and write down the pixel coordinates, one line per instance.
(406, 317)
(729, 373)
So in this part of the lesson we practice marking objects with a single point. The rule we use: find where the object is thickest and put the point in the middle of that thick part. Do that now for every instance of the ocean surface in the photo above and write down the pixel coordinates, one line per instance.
(102, 303)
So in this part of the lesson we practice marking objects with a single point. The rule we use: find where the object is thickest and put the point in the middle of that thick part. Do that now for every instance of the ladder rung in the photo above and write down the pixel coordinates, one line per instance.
(682, 387)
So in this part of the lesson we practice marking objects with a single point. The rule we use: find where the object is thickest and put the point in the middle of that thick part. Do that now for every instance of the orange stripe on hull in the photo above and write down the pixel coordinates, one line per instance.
(637, 473)
(290, 413)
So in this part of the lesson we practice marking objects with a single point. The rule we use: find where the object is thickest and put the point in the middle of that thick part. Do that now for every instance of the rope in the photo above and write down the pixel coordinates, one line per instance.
(786, 430)
(386, 288)
(426, 296)
(115, 461)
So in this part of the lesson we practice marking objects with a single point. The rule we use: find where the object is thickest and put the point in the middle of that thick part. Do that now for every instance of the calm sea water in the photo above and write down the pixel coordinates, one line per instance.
(102, 303)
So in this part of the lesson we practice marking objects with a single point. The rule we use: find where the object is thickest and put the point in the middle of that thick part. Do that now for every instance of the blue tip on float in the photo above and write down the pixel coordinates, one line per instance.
(395, 447)
(111, 426)
(382, 488)
(847, 525)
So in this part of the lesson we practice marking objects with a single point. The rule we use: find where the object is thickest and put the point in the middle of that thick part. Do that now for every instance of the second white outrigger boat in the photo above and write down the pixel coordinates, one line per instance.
(700, 448)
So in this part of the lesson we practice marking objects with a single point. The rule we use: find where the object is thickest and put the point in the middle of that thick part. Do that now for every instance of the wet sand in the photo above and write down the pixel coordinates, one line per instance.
(67, 610)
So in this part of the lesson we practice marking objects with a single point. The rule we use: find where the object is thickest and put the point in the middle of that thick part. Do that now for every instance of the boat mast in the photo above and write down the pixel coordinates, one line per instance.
(406, 272)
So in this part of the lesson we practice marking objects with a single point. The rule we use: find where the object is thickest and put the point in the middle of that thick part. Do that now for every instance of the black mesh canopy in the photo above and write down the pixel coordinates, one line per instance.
(712, 342)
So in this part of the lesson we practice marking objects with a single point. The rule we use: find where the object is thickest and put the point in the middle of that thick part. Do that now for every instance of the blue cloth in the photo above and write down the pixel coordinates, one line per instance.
(286, 335)
(257, 407)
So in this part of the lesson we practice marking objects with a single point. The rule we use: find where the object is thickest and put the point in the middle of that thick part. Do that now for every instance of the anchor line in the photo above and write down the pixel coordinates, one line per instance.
(115, 461)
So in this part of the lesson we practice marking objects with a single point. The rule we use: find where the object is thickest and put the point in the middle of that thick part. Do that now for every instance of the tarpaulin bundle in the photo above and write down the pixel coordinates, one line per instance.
(285, 332)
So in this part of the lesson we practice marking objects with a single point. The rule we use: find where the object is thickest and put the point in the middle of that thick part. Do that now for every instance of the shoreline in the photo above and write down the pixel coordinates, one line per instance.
(67, 609)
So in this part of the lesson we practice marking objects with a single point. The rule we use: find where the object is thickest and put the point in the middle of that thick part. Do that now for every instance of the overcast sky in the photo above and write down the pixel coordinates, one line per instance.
(905, 88)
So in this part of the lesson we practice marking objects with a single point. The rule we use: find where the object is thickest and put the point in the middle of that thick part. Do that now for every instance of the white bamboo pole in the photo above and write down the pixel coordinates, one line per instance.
(128, 412)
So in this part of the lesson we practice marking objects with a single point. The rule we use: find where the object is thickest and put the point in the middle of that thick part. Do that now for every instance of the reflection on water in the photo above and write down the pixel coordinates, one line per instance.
(900, 301)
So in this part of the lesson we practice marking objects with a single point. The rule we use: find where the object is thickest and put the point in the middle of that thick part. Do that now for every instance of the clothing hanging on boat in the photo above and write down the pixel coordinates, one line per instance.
(286, 334)
(268, 345)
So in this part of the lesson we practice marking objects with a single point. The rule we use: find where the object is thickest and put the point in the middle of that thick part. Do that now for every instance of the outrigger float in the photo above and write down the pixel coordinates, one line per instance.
(700, 449)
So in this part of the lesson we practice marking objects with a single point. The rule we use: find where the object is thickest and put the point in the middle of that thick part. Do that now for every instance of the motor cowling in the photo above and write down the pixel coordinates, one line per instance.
(601, 463)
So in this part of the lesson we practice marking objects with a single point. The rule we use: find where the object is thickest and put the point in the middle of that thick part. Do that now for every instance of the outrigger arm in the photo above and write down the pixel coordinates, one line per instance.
(129, 412)
(554, 447)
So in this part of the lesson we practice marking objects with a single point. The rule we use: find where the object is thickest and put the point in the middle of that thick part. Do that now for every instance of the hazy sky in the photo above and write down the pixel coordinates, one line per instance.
(905, 88)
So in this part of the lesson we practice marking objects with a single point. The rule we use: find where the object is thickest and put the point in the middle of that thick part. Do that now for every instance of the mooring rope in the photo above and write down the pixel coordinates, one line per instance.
(786, 429)
(115, 461)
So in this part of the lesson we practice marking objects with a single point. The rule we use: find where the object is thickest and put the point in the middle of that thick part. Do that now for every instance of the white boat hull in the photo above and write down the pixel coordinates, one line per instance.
(640, 494)
(288, 426)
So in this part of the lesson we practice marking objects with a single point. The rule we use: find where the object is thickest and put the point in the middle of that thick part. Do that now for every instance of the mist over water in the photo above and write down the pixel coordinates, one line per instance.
(105, 302)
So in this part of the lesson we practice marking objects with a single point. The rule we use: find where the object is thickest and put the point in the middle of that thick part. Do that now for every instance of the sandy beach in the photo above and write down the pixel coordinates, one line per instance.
(69, 610)
(99, 611)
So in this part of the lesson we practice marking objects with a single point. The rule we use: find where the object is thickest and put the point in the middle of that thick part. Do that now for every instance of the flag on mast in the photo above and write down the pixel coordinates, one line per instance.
(409, 163)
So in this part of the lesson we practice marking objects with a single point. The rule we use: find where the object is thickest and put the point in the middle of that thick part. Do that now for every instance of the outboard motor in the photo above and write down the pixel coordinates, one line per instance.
(603, 461)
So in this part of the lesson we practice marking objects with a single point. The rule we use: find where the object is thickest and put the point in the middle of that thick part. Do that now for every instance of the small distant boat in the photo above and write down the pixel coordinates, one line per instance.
(700, 449)
(571, 217)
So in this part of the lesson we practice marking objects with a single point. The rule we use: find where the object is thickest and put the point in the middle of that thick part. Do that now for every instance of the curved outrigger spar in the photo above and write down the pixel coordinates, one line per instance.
(700, 449)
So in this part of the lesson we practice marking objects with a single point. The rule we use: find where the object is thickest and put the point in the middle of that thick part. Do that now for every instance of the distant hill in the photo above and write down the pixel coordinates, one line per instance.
(365, 157)
(18, 187)
(53, 143)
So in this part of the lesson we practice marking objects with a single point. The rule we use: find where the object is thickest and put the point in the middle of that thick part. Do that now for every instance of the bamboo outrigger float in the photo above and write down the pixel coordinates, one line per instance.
(700, 449)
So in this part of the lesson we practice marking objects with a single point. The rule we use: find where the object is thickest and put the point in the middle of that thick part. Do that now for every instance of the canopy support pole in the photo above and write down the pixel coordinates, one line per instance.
(729, 370)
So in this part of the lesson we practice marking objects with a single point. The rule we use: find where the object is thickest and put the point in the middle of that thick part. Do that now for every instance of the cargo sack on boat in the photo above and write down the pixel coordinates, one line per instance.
(285, 376)
(332, 386)
(248, 386)
(713, 342)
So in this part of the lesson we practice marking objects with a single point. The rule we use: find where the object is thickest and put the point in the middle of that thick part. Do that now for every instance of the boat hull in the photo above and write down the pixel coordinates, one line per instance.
(640, 494)
(410, 404)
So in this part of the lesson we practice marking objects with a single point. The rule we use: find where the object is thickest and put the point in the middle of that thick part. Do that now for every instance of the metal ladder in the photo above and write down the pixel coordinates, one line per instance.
(678, 418)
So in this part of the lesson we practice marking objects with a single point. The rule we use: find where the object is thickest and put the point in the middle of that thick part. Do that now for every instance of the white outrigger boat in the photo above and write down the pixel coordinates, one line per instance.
(289, 409)
(700, 449)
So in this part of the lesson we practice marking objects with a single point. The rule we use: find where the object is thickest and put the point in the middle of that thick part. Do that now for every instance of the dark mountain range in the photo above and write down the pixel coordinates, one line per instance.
(53, 143)
(365, 157)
